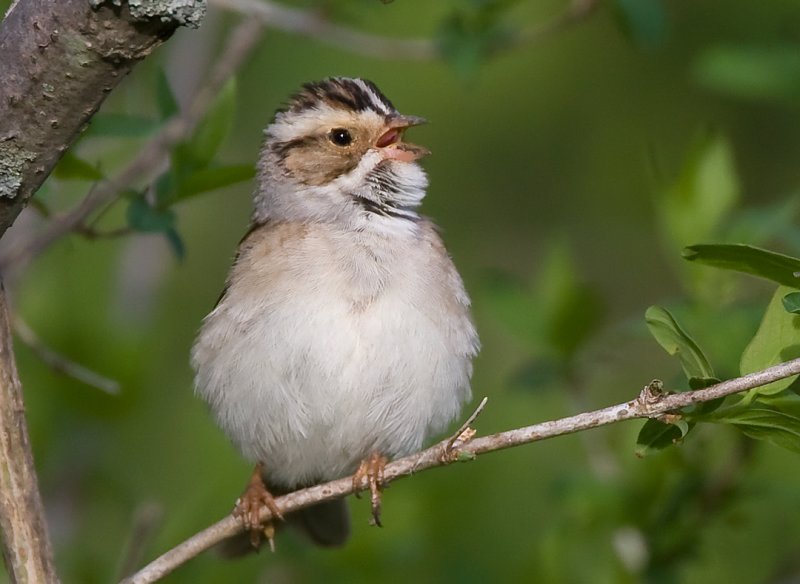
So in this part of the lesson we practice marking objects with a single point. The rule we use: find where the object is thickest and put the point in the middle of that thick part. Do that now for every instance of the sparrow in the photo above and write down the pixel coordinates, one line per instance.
(343, 336)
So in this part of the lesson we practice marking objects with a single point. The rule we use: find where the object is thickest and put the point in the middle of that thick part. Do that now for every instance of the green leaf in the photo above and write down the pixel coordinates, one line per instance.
(71, 167)
(175, 242)
(122, 126)
(167, 104)
(747, 259)
(164, 188)
(644, 21)
(555, 317)
(695, 206)
(143, 217)
(704, 408)
(702, 382)
(200, 149)
(791, 302)
(777, 340)
(513, 305)
(572, 311)
(762, 423)
(676, 341)
(770, 73)
(209, 179)
(786, 402)
(656, 435)
(471, 34)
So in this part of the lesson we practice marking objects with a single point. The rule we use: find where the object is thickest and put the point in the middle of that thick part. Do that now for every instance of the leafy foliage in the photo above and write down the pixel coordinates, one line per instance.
(693, 208)
(548, 140)
(644, 21)
(677, 342)
(192, 169)
(757, 72)
(770, 265)
(474, 31)
(777, 340)
(555, 317)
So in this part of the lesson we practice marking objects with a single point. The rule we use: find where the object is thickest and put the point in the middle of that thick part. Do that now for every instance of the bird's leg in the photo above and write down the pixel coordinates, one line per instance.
(248, 507)
(371, 469)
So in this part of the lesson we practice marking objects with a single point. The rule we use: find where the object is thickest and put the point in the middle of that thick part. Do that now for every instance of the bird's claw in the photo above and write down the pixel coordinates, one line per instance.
(248, 510)
(372, 470)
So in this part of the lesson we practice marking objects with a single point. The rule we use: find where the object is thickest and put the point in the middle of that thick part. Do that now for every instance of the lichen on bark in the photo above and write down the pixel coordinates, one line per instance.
(182, 12)
(13, 162)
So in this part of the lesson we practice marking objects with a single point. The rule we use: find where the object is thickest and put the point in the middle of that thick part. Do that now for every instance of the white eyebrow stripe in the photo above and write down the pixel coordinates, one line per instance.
(376, 100)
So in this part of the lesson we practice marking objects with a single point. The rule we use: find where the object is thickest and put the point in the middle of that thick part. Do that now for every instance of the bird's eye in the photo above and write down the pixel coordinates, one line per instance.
(340, 137)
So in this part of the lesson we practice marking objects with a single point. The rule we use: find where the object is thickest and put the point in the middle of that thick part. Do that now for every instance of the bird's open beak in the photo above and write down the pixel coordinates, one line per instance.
(391, 142)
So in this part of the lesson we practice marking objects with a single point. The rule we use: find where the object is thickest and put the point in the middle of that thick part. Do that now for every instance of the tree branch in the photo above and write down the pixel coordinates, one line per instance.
(61, 364)
(26, 544)
(313, 24)
(61, 58)
(149, 161)
(649, 404)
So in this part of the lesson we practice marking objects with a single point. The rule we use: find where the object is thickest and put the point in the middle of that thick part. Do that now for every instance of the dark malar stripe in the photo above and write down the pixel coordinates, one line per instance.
(382, 209)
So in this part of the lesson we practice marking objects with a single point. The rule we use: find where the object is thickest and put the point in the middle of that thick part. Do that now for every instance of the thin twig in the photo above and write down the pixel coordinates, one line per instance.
(92, 233)
(150, 159)
(647, 405)
(314, 24)
(457, 436)
(59, 362)
(147, 518)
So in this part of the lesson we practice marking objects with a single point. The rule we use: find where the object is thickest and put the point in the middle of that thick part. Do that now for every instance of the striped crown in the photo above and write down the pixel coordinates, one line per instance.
(351, 94)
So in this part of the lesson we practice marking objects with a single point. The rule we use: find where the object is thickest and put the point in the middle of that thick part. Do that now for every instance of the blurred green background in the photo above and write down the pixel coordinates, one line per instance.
(552, 170)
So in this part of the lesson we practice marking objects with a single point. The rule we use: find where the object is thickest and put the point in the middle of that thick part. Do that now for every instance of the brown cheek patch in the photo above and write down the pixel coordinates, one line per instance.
(317, 163)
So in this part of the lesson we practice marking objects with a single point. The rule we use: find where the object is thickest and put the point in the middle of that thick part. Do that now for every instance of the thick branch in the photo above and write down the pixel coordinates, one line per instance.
(647, 405)
(150, 159)
(60, 59)
(26, 544)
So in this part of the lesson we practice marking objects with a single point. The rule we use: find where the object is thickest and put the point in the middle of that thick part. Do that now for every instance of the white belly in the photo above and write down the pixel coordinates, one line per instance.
(309, 380)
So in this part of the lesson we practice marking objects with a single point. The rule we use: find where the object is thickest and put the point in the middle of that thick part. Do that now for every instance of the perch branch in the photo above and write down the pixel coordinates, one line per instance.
(649, 404)
(151, 157)
(315, 25)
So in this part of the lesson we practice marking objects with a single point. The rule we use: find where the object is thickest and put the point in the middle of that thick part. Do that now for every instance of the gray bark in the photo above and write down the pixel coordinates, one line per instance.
(59, 59)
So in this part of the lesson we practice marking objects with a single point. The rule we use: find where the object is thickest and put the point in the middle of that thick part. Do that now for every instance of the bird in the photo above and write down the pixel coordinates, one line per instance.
(343, 337)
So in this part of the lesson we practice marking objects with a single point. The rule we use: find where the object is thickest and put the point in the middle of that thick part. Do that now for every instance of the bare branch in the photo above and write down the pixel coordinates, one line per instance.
(465, 433)
(147, 518)
(314, 24)
(151, 158)
(59, 362)
(648, 404)
(26, 543)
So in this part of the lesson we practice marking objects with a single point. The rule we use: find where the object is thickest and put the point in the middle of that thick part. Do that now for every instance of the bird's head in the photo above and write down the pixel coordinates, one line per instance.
(337, 153)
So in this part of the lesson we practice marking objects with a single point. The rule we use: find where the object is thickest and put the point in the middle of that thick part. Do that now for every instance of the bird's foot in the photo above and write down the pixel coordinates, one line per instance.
(248, 510)
(371, 470)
